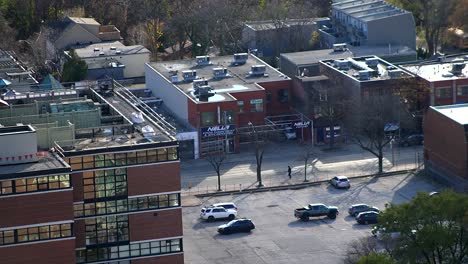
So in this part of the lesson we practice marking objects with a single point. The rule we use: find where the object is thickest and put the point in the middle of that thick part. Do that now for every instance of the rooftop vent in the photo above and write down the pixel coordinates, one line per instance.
(101, 53)
(447, 75)
(457, 68)
(395, 74)
(198, 83)
(174, 79)
(189, 75)
(372, 62)
(118, 52)
(203, 60)
(240, 58)
(220, 72)
(365, 75)
(204, 92)
(465, 57)
(257, 70)
(96, 49)
(339, 47)
(113, 48)
(342, 64)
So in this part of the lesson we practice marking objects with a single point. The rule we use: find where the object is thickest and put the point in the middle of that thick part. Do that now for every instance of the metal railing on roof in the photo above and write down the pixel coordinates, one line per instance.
(146, 109)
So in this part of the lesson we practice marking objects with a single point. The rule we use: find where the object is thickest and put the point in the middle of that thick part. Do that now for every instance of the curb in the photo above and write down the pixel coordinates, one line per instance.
(297, 185)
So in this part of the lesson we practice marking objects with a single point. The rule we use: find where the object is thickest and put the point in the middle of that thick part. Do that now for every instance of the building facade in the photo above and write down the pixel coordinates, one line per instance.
(446, 144)
(102, 187)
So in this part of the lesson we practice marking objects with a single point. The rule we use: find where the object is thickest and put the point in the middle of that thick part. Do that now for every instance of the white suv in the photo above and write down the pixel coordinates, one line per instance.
(212, 213)
(340, 182)
(225, 205)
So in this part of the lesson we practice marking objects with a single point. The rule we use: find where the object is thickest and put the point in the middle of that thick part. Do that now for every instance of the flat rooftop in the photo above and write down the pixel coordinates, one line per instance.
(376, 68)
(314, 56)
(84, 20)
(269, 24)
(440, 71)
(48, 163)
(458, 113)
(238, 79)
(368, 10)
(105, 49)
(13, 71)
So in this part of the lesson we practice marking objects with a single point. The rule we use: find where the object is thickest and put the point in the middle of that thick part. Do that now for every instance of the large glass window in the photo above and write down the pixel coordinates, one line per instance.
(240, 104)
(103, 230)
(23, 235)
(129, 250)
(444, 92)
(105, 183)
(256, 105)
(34, 184)
(127, 205)
(208, 118)
(283, 96)
(462, 90)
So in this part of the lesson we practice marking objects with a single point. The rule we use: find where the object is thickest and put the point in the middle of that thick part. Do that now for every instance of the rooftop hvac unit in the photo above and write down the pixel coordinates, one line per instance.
(204, 92)
(118, 52)
(174, 79)
(257, 70)
(101, 53)
(339, 47)
(203, 60)
(220, 72)
(394, 74)
(372, 62)
(365, 75)
(189, 75)
(457, 68)
(113, 48)
(96, 49)
(240, 58)
(199, 82)
(342, 64)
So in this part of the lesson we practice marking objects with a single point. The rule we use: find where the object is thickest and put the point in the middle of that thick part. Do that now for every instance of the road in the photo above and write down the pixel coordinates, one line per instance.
(239, 170)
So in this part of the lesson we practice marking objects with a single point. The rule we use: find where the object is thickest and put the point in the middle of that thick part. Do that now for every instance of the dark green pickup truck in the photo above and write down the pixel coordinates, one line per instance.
(313, 210)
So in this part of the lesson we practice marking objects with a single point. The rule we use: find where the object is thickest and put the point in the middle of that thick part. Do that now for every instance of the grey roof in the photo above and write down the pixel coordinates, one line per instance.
(105, 49)
(458, 113)
(439, 71)
(48, 163)
(270, 24)
(368, 10)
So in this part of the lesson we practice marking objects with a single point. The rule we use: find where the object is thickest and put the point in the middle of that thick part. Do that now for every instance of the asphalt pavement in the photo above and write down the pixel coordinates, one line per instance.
(238, 171)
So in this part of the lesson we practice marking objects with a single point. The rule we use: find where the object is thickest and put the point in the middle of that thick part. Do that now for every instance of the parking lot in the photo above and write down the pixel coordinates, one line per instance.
(279, 237)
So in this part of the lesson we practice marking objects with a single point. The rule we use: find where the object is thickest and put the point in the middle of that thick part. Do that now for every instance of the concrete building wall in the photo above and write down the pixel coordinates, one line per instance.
(398, 30)
(134, 63)
(74, 35)
(173, 97)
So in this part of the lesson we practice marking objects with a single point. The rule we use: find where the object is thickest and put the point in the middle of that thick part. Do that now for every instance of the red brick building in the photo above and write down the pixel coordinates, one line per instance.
(91, 185)
(219, 95)
(446, 143)
(446, 80)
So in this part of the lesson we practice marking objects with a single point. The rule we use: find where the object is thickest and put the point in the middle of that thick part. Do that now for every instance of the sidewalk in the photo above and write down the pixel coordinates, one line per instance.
(239, 170)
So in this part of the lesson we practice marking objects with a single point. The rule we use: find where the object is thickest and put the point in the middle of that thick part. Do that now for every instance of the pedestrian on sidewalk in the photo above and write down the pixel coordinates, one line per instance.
(289, 172)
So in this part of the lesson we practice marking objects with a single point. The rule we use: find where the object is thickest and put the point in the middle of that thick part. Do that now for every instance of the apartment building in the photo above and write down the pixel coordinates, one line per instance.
(87, 176)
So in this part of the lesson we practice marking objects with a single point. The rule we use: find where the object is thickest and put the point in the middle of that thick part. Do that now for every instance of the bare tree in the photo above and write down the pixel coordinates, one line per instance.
(307, 155)
(366, 121)
(359, 248)
(260, 138)
(216, 159)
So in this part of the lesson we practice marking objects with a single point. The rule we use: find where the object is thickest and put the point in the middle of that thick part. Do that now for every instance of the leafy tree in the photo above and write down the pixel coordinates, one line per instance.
(75, 69)
(154, 32)
(459, 19)
(433, 229)
(376, 258)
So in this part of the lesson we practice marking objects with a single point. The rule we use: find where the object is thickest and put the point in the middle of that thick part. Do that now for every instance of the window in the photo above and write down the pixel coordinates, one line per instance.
(34, 184)
(283, 96)
(103, 230)
(240, 104)
(444, 92)
(208, 118)
(228, 117)
(30, 234)
(105, 183)
(129, 250)
(462, 90)
(127, 205)
(268, 97)
(256, 105)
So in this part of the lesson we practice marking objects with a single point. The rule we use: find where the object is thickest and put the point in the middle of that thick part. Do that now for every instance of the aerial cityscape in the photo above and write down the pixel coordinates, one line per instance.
(233, 131)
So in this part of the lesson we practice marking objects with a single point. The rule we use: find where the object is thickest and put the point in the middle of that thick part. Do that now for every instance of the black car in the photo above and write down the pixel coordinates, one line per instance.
(355, 209)
(412, 140)
(235, 226)
(367, 217)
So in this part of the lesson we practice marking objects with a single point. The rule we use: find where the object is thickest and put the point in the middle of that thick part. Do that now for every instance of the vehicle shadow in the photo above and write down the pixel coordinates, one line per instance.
(202, 224)
(312, 222)
(232, 236)
(333, 189)
(349, 218)
(363, 227)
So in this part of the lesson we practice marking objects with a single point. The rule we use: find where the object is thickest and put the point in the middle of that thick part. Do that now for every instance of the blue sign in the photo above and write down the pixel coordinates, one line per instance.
(215, 131)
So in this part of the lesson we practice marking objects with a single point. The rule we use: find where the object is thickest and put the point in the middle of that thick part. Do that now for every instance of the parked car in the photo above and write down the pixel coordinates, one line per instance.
(355, 209)
(314, 210)
(212, 213)
(412, 140)
(340, 182)
(369, 217)
(235, 226)
(225, 205)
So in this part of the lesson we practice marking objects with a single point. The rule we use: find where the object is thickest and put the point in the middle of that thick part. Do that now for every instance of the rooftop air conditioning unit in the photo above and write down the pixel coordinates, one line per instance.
(220, 72)
(240, 58)
(101, 53)
(339, 47)
(204, 92)
(372, 62)
(203, 60)
(113, 48)
(342, 64)
(118, 52)
(365, 75)
(394, 74)
(199, 82)
(257, 70)
(96, 49)
(189, 75)
(457, 68)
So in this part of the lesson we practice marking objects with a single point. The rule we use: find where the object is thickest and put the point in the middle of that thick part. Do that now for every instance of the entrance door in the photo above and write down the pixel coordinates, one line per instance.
(230, 146)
